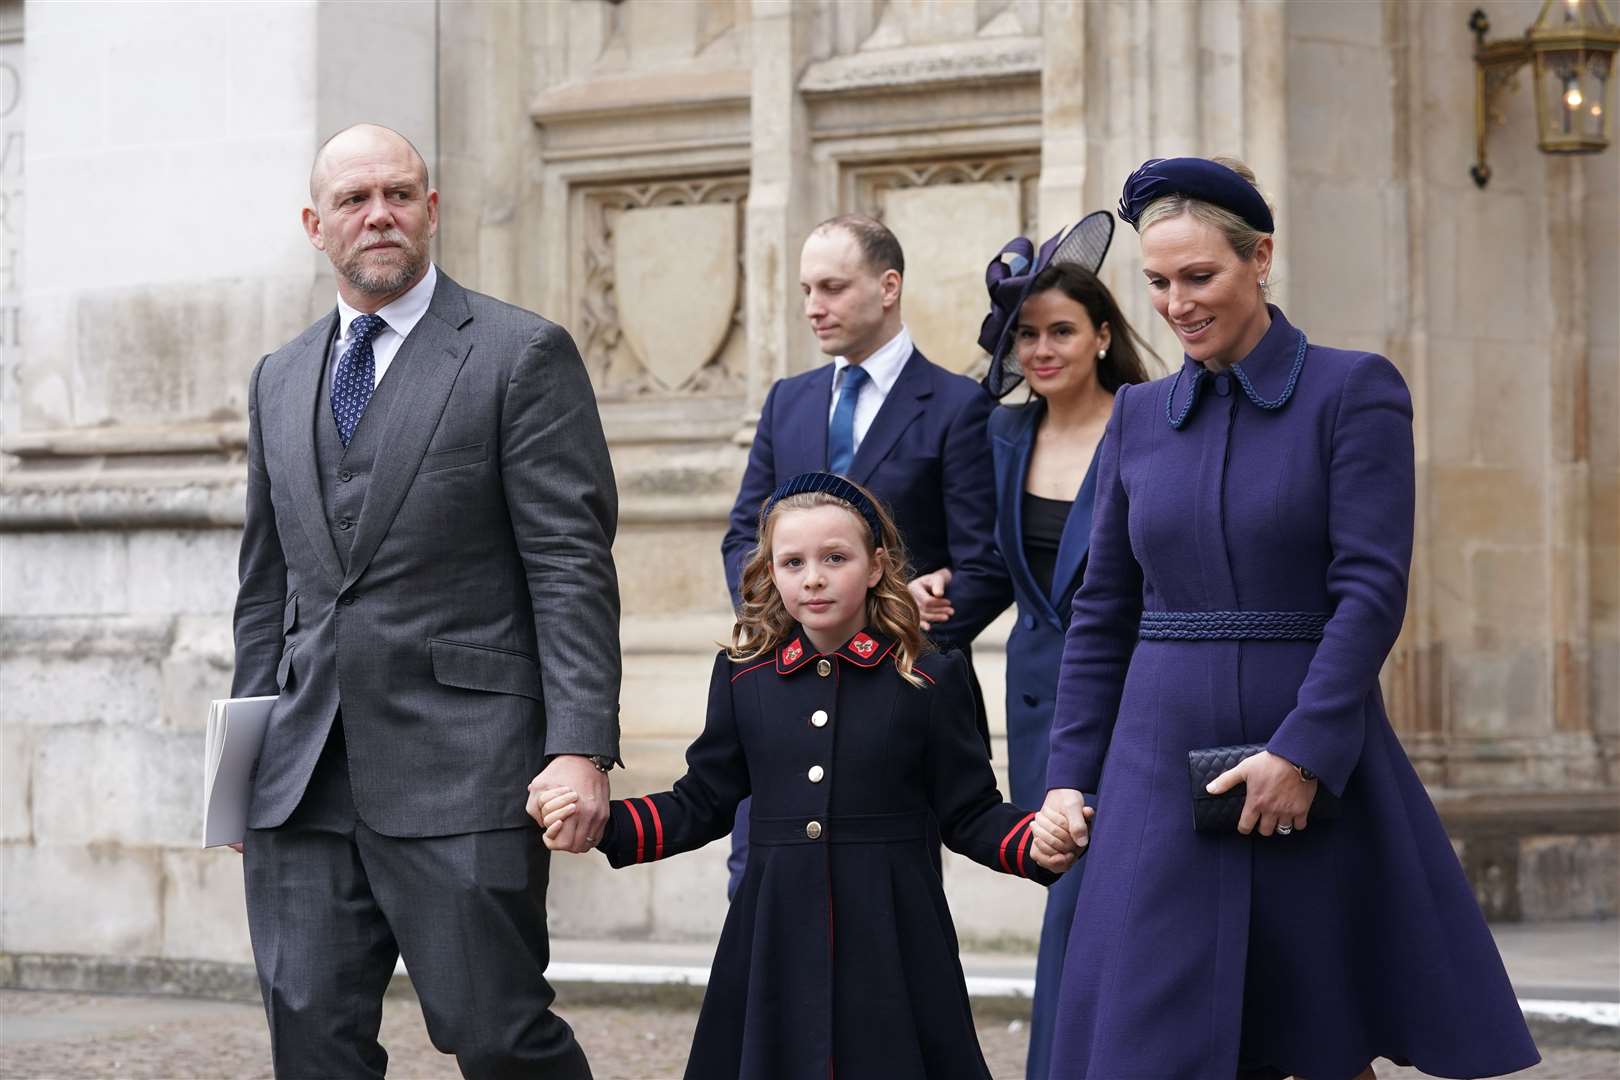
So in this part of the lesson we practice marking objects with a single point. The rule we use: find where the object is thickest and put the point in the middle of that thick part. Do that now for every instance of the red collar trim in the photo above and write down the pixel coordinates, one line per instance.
(865, 649)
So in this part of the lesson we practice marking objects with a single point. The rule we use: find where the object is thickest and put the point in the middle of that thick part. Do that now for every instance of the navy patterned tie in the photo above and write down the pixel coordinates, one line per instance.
(841, 432)
(356, 375)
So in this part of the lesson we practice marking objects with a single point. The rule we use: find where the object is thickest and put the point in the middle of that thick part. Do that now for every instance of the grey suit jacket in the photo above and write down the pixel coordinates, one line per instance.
(475, 629)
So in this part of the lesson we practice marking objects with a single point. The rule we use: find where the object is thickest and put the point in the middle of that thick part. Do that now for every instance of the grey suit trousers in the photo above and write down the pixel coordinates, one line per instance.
(332, 904)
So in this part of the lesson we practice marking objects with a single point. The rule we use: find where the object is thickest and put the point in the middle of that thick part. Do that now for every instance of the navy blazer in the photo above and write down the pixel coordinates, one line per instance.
(1035, 646)
(923, 456)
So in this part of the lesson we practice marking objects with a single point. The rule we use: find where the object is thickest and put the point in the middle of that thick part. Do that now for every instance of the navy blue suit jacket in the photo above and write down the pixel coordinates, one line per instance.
(1035, 646)
(923, 456)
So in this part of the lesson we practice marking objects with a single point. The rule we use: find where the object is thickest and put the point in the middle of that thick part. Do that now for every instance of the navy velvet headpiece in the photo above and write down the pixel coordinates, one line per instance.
(1198, 178)
(838, 488)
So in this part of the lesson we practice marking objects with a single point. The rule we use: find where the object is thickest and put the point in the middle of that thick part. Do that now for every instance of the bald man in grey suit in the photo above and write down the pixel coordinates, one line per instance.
(427, 583)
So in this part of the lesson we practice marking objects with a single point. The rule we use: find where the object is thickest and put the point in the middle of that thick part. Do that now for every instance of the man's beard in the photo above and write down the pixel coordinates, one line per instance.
(383, 279)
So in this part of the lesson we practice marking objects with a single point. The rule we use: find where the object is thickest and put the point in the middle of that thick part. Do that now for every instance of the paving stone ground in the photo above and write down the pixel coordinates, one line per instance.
(45, 1036)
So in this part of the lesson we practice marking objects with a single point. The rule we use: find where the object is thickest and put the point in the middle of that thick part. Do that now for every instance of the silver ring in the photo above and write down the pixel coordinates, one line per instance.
(1284, 830)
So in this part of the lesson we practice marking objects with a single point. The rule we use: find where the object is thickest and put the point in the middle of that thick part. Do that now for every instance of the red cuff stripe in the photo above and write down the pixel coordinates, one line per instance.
(658, 827)
(1023, 845)
(641, 835)
(1005, 840)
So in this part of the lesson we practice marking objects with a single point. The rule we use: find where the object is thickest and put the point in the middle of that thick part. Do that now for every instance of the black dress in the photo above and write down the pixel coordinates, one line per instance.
(1044, 521)
(838, 956)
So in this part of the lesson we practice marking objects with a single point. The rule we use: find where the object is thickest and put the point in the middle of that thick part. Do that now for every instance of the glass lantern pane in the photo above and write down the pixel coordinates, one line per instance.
(1562, 95)
(1594, 105)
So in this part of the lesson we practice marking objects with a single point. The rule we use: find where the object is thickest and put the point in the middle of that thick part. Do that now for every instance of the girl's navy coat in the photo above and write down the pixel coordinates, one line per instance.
(838, 955)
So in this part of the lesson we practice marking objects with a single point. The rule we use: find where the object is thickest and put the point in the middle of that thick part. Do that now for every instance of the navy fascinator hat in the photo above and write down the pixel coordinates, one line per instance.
(1198, 178)
(1011, 275)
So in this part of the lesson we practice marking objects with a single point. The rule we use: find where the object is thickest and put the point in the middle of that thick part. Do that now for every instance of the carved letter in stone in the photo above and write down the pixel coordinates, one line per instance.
(675, 270)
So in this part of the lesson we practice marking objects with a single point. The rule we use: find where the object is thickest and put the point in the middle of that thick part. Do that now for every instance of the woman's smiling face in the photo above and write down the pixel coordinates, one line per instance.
(1057, 344)
(1210, 297)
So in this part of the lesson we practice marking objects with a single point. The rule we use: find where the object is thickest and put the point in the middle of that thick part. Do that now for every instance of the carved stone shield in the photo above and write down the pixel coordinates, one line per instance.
(675, 282)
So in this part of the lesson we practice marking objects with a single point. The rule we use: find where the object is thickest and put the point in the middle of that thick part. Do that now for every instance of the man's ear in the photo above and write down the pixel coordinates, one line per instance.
(433, 212)
(312, 229)
(889, 285)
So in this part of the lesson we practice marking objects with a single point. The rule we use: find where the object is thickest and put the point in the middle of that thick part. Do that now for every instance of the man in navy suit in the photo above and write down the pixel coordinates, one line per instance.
(885, 416)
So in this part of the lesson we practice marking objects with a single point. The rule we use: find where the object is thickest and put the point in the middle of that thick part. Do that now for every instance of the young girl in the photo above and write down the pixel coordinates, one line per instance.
(838, 956)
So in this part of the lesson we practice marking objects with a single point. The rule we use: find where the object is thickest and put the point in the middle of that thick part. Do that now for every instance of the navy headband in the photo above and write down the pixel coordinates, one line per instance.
(1197, 178)
(834, 485)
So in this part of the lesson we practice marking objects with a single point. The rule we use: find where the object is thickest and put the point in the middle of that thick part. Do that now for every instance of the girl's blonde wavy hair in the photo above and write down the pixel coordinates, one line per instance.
(763, 621)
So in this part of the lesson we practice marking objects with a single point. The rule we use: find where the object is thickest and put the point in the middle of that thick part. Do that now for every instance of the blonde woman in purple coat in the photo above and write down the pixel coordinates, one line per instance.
(1247, 578)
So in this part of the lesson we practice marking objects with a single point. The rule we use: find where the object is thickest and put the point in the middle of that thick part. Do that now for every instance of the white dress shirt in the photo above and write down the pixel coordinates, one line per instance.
(401, 315)
(883, 367)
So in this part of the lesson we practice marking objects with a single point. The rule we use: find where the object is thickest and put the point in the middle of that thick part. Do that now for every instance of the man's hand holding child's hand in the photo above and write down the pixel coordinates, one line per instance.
(551, 807)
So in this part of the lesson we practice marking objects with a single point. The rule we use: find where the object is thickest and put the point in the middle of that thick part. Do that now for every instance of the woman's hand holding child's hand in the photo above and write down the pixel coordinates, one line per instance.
(1061, 830)
(929, 592)
(551, 806)
(1055, 861)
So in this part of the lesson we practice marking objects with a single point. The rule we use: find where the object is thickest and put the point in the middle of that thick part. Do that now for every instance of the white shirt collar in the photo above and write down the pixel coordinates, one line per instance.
(884, 365)
(402, 314)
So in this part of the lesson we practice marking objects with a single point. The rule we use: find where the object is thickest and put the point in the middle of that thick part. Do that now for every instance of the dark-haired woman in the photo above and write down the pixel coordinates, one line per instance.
(1249, 556)
(1059, 328)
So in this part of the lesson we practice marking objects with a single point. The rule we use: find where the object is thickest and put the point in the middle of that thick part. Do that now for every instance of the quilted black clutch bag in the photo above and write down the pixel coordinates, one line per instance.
(1220, 813)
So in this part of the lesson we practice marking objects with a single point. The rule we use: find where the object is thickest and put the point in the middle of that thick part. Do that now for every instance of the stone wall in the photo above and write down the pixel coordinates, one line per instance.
(645, 173)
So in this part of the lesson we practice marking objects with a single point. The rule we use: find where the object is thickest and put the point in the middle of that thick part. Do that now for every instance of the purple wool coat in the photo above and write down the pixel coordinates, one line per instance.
(1193, 955)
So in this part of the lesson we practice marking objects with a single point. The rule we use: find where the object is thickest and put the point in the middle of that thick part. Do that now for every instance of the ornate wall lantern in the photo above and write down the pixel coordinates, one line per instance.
(1572, 45)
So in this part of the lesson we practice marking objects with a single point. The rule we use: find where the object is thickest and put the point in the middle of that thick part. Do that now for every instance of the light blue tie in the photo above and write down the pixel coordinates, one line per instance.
(841, 432)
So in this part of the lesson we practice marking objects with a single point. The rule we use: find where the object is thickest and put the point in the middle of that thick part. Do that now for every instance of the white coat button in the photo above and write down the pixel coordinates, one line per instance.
(816, 773)
(813, 830)
(824, 668)
(818, 718)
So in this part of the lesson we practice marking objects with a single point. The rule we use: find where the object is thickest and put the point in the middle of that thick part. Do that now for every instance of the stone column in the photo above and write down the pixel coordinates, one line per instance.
(1265, 119)
(1063, 191)
(1220, 77)
(1120, 140)
(1175, 74)
(778, 193)
(1568, 513)
(377, 61)
(1600, 224)
(484, 130)
(12, 112)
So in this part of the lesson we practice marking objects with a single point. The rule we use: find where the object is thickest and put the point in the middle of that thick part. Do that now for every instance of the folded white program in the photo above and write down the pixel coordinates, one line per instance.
(230, 759)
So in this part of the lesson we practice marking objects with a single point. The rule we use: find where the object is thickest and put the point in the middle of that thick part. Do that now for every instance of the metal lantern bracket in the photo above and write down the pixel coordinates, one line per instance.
(1496, 65)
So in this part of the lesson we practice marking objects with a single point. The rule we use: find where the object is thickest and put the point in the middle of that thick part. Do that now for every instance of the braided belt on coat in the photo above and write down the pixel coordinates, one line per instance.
(1232, 625)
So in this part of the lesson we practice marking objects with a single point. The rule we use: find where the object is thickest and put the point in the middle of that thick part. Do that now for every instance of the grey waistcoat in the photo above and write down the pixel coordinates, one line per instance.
(345, 472)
